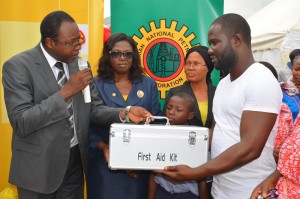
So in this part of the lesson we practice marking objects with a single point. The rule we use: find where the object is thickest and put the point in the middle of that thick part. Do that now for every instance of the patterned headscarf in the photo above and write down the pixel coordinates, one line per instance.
(289, 87)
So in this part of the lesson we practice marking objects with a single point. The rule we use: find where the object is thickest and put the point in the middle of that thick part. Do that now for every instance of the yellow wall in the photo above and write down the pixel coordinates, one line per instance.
(19, 30)
(5, 154)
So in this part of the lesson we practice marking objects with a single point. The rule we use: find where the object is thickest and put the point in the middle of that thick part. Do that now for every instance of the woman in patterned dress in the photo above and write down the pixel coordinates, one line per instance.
(290, 106)
(286, 178)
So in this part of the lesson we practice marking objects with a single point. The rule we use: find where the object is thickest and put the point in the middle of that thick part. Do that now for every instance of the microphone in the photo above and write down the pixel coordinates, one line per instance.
(82, 63)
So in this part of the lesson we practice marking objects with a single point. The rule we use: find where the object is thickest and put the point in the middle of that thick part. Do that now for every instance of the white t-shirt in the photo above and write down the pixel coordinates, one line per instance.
(256, 90)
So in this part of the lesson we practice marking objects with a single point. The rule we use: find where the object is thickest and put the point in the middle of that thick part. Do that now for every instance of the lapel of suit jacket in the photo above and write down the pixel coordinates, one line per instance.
(137, 92)
(45, 70)
(196, 107)
(73, 68)
(113, 93)
(211, 92)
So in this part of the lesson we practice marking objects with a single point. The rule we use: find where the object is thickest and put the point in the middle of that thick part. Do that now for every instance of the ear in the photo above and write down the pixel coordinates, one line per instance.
(237, 39)
(49, 42)
(207, 69)
(191, 115)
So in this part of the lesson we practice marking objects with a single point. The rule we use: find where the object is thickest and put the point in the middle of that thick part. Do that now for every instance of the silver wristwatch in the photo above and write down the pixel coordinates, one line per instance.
(127, 109)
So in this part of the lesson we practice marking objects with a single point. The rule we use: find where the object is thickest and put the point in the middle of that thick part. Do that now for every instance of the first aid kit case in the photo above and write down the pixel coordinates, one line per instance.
(154, 146)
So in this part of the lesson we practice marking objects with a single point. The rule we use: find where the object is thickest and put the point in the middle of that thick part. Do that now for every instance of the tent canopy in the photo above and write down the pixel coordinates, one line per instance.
(275, 31)
(272, 23)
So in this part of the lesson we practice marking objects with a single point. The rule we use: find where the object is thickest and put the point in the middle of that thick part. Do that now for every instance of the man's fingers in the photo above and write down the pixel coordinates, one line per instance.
(138, 114)
(167, 169)
(158, 171)
(170, 168)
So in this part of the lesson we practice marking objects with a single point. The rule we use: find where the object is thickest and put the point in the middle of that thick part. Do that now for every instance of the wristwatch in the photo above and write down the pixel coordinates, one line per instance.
(127, 109)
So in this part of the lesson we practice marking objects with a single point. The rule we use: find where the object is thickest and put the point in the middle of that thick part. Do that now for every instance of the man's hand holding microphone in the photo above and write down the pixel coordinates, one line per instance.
(78, 82)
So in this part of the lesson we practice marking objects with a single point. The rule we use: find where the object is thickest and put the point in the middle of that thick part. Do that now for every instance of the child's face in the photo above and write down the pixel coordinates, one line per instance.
(178, 111)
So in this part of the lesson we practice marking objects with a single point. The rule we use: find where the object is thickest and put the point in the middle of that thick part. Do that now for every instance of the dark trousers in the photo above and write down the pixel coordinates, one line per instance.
(72, 185)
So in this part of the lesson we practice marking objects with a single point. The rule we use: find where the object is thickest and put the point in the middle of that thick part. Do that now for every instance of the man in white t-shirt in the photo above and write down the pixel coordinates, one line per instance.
(246, 104)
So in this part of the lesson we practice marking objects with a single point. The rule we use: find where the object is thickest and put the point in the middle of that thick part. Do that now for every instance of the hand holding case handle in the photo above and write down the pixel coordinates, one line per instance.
(157, 117)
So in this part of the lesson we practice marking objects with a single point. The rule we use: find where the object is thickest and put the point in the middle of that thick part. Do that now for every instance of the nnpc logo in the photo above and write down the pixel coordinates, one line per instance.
(162, 51)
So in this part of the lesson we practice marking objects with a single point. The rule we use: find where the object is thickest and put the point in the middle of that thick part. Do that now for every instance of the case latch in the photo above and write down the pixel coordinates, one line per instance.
(205, 137)
(112, 133)
(126, 135)
(192, 138)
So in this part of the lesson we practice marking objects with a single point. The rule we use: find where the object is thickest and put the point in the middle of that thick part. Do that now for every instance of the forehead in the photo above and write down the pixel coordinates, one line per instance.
(215, 31)
(68, 31)
(177, 101)
(122, 45)
(296, 60)
(195, 56)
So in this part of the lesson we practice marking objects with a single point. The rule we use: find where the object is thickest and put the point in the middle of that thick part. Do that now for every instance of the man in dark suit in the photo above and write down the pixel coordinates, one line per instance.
(50, 138)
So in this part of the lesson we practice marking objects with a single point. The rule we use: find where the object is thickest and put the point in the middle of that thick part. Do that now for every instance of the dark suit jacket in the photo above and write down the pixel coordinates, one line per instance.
(144, 93)
(197, 121)
(39, 118)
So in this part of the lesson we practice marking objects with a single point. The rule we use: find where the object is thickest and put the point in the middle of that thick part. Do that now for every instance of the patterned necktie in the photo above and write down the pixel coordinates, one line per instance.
(61, 80)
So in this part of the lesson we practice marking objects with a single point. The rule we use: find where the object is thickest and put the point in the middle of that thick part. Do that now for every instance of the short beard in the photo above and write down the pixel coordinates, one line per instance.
(228, 59)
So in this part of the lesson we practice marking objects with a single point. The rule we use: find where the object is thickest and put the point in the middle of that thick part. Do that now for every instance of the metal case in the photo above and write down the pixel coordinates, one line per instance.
(150, 147)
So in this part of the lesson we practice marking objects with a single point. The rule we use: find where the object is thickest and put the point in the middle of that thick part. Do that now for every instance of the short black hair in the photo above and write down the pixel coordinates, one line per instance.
(105, 70)
(293, 54)
(271, 67)
(51, 24)
(203, 51)
(235, 24)
(189, 100)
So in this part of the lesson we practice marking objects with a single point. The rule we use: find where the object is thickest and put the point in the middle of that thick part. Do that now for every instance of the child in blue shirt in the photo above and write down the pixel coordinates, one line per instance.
(179, 110)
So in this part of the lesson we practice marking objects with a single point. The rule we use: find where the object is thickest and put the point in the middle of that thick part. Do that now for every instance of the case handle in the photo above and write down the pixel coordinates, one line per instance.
(157, 117)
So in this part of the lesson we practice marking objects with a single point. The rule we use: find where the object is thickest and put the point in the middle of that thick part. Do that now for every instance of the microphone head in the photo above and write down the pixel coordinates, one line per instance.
(82, 63)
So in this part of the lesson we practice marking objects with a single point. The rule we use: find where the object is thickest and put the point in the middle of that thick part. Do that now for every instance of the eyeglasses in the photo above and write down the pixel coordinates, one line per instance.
(194, 64)
(117, 54)
(72, 44)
